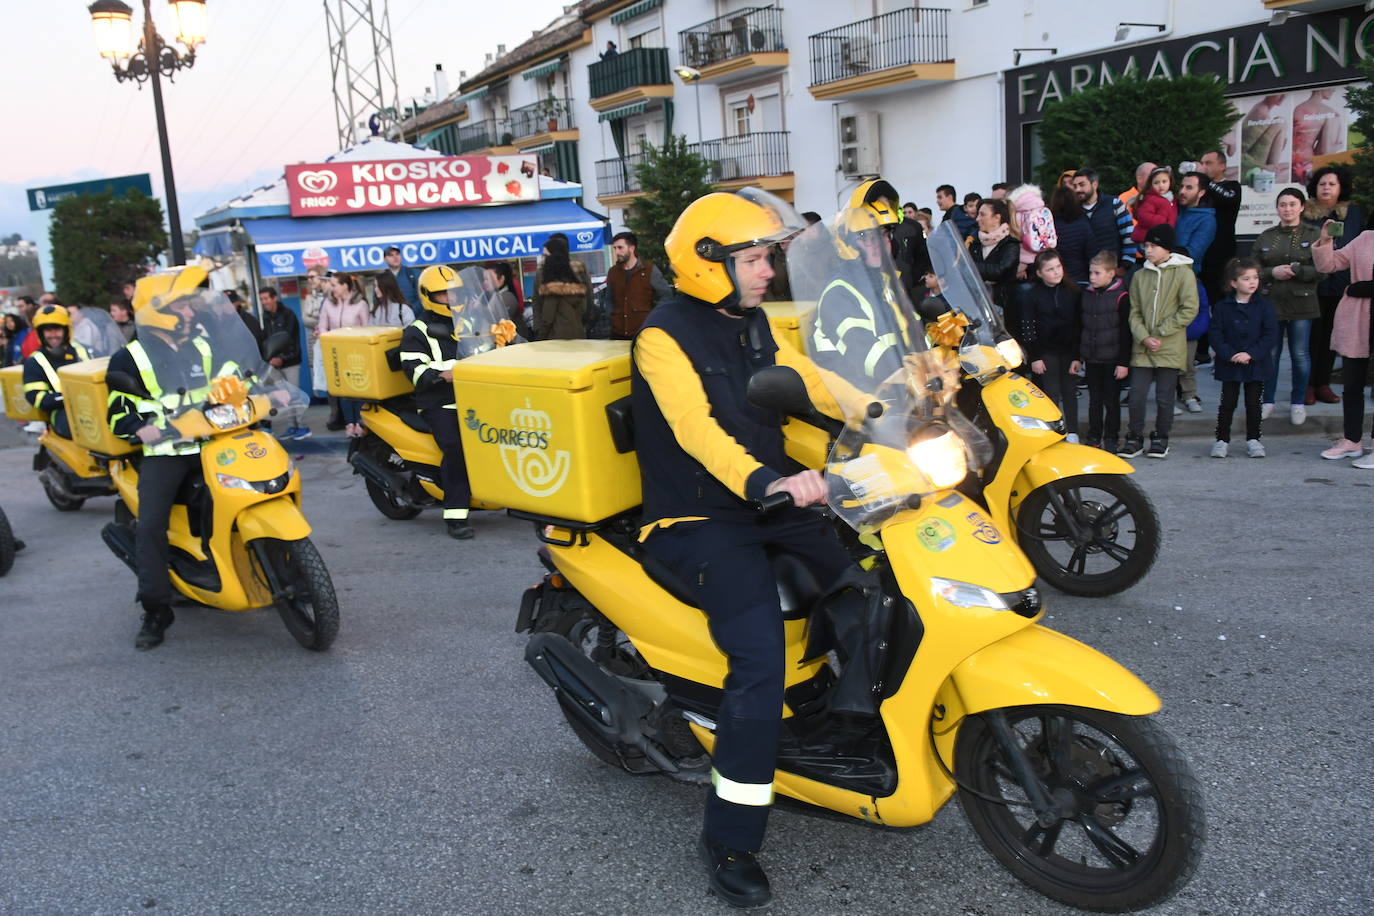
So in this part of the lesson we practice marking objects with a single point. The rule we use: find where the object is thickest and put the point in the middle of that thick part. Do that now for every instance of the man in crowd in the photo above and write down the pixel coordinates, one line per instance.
(1142, 175)
(1107, 216)
(123, 314)
(634, 287)
(286, 365)
(1000, 191)
(1197, 227)
(405, 276)
(1223, 197)
(947, 199)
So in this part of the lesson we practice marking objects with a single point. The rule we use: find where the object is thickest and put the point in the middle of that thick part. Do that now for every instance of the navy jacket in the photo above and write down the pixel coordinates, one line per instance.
(1077, 245)
(967, 226)
(1243, 327)
(1050, 320)
(1105, 328)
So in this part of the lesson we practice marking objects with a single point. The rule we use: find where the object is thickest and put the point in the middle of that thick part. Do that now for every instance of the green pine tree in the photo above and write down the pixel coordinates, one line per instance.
(671, 176)
(1116, 127)
(1360, 101)
(99, 241)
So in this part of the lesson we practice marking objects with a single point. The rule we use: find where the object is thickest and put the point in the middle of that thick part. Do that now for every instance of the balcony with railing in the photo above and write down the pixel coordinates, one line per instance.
(639, 73)
(759, 159)
(550, 116)
(747, 41)
(617, 178)
(879, 54)
(486, 134)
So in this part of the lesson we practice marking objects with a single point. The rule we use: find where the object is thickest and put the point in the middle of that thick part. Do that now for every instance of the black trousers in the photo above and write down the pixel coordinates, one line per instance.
(727, 566)
(1061, 385)
(159, 479)
(1352, 394)
(453, 472)
(1230, 391)
(1104, 401)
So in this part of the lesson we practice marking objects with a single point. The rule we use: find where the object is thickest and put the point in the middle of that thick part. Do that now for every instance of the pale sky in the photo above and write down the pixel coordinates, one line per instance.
(258, 97)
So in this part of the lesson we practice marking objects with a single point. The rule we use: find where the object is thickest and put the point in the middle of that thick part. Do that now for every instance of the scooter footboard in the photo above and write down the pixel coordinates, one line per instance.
(1037, 666)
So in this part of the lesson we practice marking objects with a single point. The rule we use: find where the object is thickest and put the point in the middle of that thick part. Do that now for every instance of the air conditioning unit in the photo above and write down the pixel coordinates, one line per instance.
(859, 151)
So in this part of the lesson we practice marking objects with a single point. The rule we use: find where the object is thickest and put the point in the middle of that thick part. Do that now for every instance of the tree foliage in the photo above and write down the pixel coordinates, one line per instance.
(1360, 101)
(671, 176)
(1116, 127)
(100, 240)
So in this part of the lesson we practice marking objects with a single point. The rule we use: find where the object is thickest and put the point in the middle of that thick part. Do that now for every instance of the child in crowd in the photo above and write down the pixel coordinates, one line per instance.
(1163, 302)
(1104, 344)
(1034, 225)
(1155, 205)
(1245, 326)
(1050, 324)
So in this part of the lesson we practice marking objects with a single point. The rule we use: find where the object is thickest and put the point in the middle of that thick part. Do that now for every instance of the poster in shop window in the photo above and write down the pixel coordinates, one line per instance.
(1279, 139)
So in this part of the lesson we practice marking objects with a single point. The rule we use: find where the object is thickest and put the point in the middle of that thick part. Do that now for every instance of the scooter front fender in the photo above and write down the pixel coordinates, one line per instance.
(1063, 460)
(1037, 666)
(276, 518)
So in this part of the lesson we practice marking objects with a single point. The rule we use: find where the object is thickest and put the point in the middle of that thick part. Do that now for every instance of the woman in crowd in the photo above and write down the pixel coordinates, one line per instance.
(345, 308)
(12, 339)
(389, 306)
(1077, 245)
(1350, 334)
(1289, 279)
(500, 280)
(1155, 205)
(1329, 191)
(562, 294)
(996, 254)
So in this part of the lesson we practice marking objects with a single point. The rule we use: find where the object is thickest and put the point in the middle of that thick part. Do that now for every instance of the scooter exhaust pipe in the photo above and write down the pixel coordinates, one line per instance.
(120, 539)
(611, 709)
(375, 471)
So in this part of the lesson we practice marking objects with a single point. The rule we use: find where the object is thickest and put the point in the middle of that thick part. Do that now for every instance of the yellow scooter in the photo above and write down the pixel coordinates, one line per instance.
(1046, 741)
(238, 537)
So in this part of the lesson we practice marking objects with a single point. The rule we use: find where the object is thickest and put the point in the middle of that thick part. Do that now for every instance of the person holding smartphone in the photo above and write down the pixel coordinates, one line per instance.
(1329, 198)
(1350, 333)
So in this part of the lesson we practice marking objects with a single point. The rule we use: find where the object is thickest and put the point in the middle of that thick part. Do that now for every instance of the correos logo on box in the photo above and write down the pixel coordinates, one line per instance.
(526, 455)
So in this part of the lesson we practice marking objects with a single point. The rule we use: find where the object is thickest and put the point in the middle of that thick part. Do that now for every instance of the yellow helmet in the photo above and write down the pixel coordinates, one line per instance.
(849, 224)
(54, 315)
(438, 279)
(158, 312)
(192, 276)
(716, 226)
(881, 198)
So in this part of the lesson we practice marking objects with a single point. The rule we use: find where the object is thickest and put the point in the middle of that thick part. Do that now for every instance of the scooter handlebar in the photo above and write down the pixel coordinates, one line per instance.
(773, 502)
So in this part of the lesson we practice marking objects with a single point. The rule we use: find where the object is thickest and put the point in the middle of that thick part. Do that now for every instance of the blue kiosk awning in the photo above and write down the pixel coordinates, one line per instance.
(286, 247)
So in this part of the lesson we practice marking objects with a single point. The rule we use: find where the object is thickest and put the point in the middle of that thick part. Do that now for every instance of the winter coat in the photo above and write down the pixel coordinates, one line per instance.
(1244, 327)
(1333, 285)
(1152, 209)
(1196, 230)
(1104, 334)
(334, 315)
(560, 306)
(1296, 298)
(1050, 320)
(997, 267)
(391, 315)
(632, 294)
(1076, 247)
(283, 321)
(1350, 327)
(1034, 221)
(967, 225)
(1112, 224)
(1163, 303)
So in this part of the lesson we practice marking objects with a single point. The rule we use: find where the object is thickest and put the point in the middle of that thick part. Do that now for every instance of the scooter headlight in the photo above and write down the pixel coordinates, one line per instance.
(223, 416)
(1049, 426)
(234, 483)
(939, 454)
(1011, 352)
(967, 595)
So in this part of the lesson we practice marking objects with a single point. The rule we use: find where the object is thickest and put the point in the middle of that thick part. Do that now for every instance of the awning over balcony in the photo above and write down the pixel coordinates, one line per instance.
(624, 111)
(544, 69)
(426, 139)
(479, 93)
(630, 12)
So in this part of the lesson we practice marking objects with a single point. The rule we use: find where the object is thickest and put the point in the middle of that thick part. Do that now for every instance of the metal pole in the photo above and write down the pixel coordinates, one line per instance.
(701, 138)
(152, 51)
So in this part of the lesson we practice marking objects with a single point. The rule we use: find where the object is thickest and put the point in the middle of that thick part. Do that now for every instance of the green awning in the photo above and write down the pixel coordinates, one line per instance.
(624, 111)
(541, 148)
(428, 138)
(544, 69)
(639, 9)
(478, 93)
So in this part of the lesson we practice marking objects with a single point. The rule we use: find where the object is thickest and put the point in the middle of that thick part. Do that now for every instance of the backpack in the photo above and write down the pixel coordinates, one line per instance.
(1199, 325)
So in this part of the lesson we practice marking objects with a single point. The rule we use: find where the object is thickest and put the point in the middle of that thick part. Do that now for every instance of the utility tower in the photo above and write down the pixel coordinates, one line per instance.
(362, 67)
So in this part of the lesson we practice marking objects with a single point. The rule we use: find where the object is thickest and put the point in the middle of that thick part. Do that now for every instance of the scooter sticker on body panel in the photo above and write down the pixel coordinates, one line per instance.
(226, 457)
(1017, 398)
(935, 535)
(983, 529)
(254, 450)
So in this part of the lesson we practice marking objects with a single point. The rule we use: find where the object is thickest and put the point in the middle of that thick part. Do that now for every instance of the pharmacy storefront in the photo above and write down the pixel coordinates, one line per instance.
(1287, 83)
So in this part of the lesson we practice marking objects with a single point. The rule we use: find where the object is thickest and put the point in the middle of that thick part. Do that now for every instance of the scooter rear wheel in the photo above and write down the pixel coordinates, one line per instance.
(7, 544)
(1131, 827)
(393, 507)
(60, 501)
(311, 613)
(1109, 546)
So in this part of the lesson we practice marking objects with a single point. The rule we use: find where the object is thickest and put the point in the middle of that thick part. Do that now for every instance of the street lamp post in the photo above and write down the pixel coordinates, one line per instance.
(149, 60)
(692, 76)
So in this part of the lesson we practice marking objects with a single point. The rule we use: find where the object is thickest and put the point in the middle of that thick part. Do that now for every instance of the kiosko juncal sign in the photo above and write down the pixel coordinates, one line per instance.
(334, 188)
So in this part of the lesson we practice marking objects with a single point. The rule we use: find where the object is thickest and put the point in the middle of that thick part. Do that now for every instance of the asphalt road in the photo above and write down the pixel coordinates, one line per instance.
(421, 767)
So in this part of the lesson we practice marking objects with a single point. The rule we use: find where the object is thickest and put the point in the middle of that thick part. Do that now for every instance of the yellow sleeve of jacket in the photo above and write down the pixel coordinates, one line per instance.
(682, 400)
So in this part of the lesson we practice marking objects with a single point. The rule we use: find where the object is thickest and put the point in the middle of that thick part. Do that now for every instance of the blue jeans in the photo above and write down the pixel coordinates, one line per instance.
(351, 409)
(1299, 332)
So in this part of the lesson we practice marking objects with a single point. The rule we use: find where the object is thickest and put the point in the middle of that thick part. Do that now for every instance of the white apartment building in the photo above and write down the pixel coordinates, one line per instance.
(805, 97)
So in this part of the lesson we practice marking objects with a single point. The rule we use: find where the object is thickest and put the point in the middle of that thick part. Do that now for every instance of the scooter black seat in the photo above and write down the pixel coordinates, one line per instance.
(414, 421)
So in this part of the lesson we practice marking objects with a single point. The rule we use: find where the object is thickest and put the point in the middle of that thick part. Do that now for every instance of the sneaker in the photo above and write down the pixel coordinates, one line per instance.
(1254, 448)
(1133, 448)
(1159, 447)
(1343, 448)
(286, 434)
(35, 426)
(302, 432)
(1365, 462)
(1193, 405)
(1177, 410)
(1298, 414)
(1265, 411)
(1072, 437)
(1220, 449)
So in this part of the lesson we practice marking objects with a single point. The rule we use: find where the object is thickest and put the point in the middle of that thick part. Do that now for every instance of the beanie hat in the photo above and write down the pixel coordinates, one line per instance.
(1162, 235)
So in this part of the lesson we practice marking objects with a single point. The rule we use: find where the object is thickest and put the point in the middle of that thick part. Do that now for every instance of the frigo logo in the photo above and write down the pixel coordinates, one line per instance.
(526, 453)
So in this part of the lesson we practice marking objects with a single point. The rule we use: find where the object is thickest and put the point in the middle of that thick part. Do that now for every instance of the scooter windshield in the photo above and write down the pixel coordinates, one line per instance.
(986, 349)
(480, 321)
(903, 437)
(97, 332)
(206, 359)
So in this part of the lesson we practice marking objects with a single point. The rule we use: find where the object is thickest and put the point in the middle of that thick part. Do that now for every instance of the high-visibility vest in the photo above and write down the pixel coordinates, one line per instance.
(54, 383)
(866, 320)
(159, 403)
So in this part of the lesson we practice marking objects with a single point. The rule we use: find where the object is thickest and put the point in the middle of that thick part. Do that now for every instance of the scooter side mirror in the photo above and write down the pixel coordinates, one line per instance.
(780, 388)
(121, 381)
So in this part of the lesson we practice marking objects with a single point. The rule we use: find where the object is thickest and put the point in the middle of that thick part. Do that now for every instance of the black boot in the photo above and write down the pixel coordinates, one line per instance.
(156, 619)
(459, 529)
(734, 875)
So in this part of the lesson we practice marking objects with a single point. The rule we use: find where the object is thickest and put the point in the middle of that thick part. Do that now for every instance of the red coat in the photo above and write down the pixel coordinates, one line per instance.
(1152, 209)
